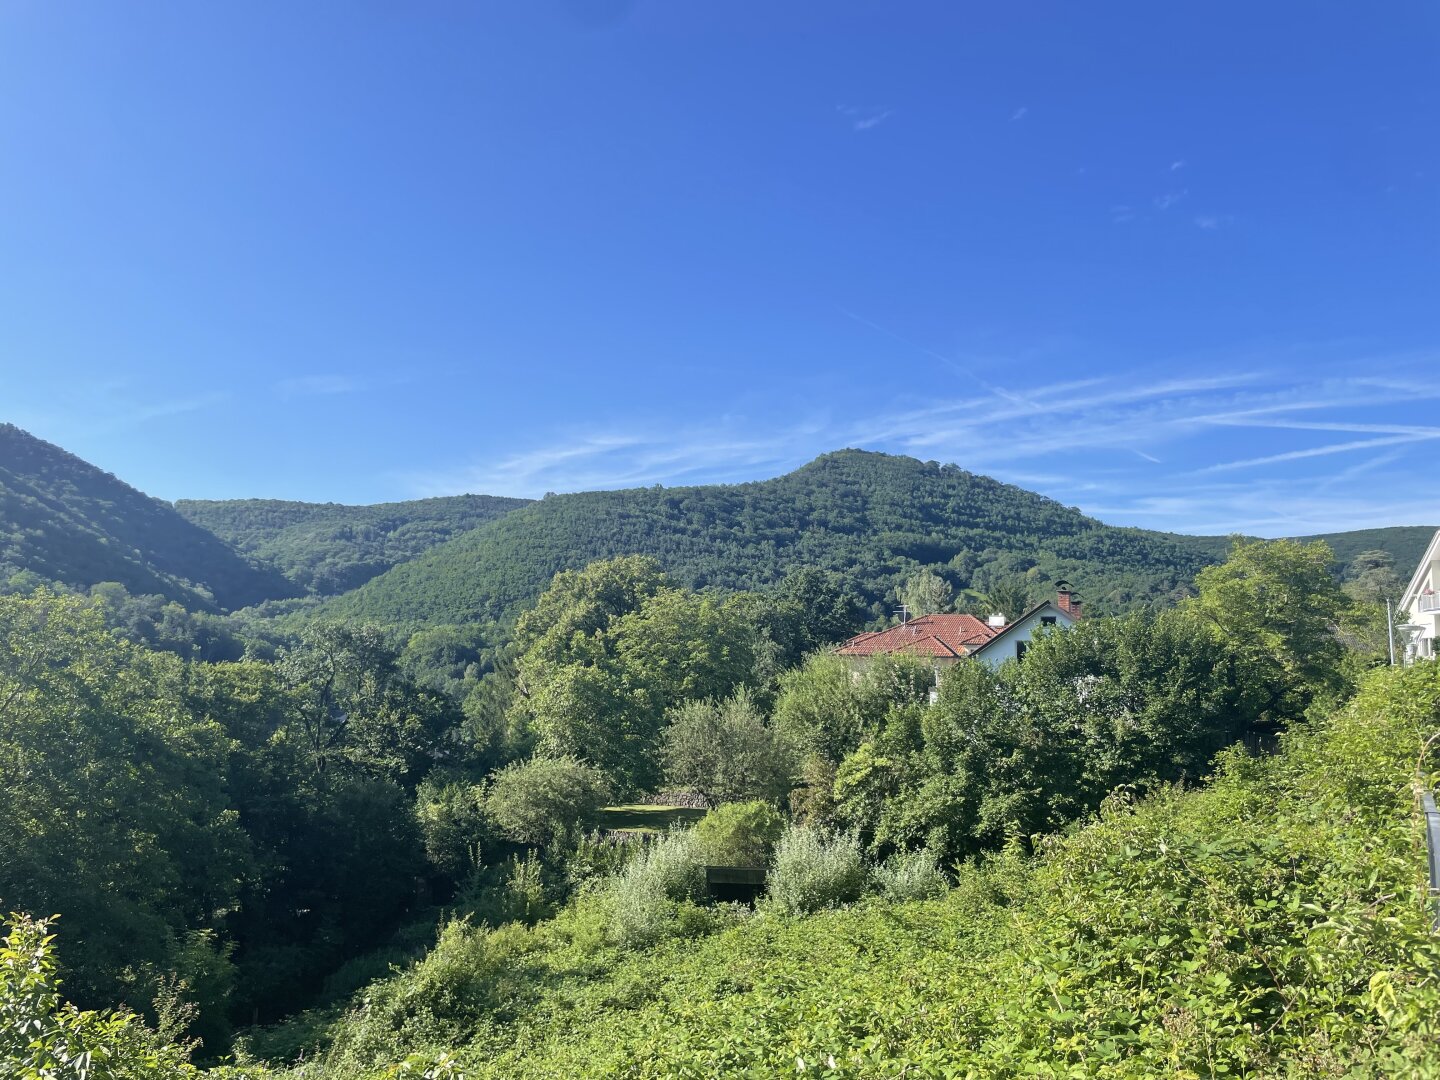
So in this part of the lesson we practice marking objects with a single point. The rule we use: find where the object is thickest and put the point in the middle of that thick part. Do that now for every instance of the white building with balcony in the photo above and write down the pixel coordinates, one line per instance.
(1420, 606)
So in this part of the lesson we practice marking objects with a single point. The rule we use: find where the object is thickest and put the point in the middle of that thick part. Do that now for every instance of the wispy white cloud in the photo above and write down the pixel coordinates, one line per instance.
(1142, 447)
(1177, 165)
(1343, 477)
(611, 460)
(863, 118)
(1314, 451)
(126, 415)
(1020, 113)
(1208, 221)
(317, 386)
(1170, 198)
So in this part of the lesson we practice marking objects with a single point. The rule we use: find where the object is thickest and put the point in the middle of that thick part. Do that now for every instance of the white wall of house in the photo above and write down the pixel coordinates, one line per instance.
(1014, 642)
(1421, 603)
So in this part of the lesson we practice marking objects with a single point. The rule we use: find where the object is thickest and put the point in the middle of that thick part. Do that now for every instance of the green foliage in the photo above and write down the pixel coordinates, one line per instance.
(725, 752)
(828, 708)
(1279, 608)
(163, 624)
(925, 593)
(546, 801)
(328, 548)
(64, 520)
(1009, 596)
(739, 834)
(815, 870)
(43, 1037)
(113, 808)
(1272, 924)
(608, 650)
(454, 825)
(644, 896)
(1139, 700)
(357, 711)
(517, 890)
(888, 516)
(910, 875)
(173, 812)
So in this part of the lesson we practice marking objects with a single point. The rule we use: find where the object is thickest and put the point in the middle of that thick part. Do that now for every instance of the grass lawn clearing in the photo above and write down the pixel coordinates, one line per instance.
(639, 817)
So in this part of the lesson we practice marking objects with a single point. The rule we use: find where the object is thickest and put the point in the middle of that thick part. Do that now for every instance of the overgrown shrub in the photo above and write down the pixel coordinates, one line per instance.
(471, 974)
(595, 858)
(646, 895)
(517, 890)
(739, 834)
(43, 1037)
(816, 870)
(812, 800)
(546, 801)
(454, 825)
(913, 875)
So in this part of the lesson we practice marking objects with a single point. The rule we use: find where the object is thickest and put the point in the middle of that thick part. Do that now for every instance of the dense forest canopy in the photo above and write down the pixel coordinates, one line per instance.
(62, 519)
(874, 519)
(329, 548)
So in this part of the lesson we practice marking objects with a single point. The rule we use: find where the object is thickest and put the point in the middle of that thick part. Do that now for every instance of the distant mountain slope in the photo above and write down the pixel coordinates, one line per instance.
(329, 548)
(874, 517)
(67, 521)
(1406, 542)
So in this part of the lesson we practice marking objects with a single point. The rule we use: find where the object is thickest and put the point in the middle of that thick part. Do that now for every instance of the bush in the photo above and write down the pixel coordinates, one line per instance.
(739, 834)
(43, 1036)
(515, 891)
(815, 870)
(914, 875)
(595, 858)
(453, 824)
(470, 974)
(672, 866)
(548, 802)
(668, 872)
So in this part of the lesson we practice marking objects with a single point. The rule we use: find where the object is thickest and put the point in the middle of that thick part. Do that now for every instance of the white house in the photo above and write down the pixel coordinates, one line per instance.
(1420, 606)
(1012, 641)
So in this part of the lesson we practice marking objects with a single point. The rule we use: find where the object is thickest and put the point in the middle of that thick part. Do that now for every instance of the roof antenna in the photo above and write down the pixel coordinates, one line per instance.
(904, 612)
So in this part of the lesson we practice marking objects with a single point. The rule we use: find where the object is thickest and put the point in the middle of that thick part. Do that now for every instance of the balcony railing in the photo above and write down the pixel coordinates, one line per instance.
(1430, 602)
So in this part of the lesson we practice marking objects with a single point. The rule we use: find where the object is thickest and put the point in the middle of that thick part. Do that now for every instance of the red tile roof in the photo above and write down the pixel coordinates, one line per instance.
(930, 635)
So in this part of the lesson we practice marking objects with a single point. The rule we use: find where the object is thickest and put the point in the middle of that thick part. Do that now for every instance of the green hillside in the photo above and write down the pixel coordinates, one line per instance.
(1405, 542)
(66, 520)
(873, 517)
(329, 548)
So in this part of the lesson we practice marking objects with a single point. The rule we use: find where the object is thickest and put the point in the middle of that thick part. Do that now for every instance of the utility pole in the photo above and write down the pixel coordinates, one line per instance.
(1390, 631)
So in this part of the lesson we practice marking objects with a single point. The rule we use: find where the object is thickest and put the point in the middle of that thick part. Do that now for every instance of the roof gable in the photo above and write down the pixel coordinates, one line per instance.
(1070, 620)
(948, 636)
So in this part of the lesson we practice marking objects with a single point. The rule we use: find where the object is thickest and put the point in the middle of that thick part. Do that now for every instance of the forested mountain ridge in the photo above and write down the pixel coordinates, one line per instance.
(873, 517)
(62, 519)
(329, 548)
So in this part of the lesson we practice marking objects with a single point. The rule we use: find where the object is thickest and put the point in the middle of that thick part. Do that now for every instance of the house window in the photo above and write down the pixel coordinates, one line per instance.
(1020, 647)
(1047, 620)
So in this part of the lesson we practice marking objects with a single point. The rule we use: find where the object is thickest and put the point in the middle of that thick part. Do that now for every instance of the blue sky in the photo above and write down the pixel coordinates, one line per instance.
(1175, 264)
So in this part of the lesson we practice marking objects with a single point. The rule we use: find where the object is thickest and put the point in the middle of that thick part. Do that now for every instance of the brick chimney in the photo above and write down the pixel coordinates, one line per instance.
(1066, 600)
